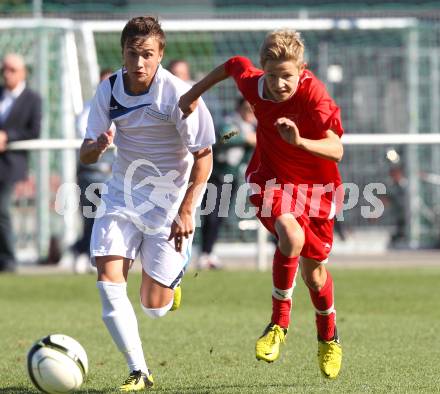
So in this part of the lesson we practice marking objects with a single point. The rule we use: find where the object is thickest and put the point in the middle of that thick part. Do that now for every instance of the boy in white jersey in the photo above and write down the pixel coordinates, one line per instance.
(158, 177)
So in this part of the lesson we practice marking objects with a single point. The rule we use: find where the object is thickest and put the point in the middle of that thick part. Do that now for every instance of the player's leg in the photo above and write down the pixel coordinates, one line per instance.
(114, 244)
(284, 269)
(120, 319)
(314, 256)
(320, 284)
(319, 238)
(285, 266)
(163, 269)
(156, 298)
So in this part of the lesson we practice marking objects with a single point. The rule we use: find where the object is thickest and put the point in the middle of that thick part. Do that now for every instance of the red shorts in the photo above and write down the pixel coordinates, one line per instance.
(318, 229)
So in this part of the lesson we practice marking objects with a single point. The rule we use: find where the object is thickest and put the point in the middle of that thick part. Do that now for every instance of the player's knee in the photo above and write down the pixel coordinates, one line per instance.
(155, 313)
(313, 285)
(291, 238)
(314, 280)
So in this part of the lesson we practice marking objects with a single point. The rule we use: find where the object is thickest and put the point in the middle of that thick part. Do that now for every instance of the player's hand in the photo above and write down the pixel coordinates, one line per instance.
(187, 104)
(104, 140)
(288, 131)
(182, 227)
(3, 140)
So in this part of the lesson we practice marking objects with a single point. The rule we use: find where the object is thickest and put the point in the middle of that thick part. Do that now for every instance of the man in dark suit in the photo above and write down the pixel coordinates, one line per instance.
(20, 119)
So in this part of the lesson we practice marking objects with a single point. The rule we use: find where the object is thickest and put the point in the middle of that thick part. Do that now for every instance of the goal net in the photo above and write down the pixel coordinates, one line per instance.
(384, 74)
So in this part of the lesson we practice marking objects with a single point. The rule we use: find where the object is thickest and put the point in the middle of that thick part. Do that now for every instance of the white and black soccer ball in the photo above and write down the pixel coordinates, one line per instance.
(57, 364)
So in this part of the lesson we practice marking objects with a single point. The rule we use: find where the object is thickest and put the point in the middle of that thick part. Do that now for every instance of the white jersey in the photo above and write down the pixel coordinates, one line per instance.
(153, 162)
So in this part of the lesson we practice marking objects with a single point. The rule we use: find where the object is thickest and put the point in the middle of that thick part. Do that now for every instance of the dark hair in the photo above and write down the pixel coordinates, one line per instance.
(143, 27)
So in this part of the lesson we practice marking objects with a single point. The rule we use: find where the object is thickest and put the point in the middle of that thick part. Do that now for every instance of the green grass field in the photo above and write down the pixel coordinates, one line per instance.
(388, 320)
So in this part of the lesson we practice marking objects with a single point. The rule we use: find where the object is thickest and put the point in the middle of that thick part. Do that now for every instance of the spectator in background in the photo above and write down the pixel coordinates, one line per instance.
(230, 159)
(20, 119)
(396, 196)
(98, 172)
(181, 69)
(340, 230)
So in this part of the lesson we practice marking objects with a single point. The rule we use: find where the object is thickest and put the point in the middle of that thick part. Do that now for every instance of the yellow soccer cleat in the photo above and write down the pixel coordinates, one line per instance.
(177, 298)
(137, 381)
(330, 357)
(268, 345)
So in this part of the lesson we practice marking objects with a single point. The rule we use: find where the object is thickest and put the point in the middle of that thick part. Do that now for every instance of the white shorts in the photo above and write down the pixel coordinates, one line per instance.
(117, 235)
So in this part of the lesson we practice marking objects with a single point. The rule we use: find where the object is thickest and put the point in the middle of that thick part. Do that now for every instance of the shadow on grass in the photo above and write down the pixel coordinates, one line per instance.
(21, 390)
(178, 390)
(223, 388)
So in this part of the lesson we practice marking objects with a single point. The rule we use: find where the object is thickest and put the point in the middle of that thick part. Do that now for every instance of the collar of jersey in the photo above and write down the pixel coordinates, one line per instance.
(155, 79)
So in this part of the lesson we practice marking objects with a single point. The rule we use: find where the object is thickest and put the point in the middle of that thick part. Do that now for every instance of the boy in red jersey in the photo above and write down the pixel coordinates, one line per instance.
(294, 178)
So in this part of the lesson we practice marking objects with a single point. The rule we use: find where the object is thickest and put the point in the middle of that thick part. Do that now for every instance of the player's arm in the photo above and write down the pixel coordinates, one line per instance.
(329, 147)
(183, 225)
(188, 102)
(91, 150)
(97, 141)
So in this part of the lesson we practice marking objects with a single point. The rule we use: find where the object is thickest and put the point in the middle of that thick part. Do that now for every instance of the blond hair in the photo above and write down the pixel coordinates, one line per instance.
(282, 44)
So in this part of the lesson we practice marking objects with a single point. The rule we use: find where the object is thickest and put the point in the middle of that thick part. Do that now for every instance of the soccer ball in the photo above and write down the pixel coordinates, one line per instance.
(57, 364)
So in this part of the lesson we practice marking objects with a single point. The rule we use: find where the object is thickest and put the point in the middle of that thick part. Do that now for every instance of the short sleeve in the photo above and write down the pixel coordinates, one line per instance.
(197, 130)
(81, 121)
(99, 119)
(324, 111)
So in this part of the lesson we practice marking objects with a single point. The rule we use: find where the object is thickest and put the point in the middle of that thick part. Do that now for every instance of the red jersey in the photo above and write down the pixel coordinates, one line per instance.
(313, 111)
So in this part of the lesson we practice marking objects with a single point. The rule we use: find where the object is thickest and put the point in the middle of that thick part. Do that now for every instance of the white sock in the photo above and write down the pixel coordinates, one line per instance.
(120, 320)
(155, 313)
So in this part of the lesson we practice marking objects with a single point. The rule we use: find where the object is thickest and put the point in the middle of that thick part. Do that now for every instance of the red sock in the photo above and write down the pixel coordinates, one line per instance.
(323, 302)
(283, 275)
